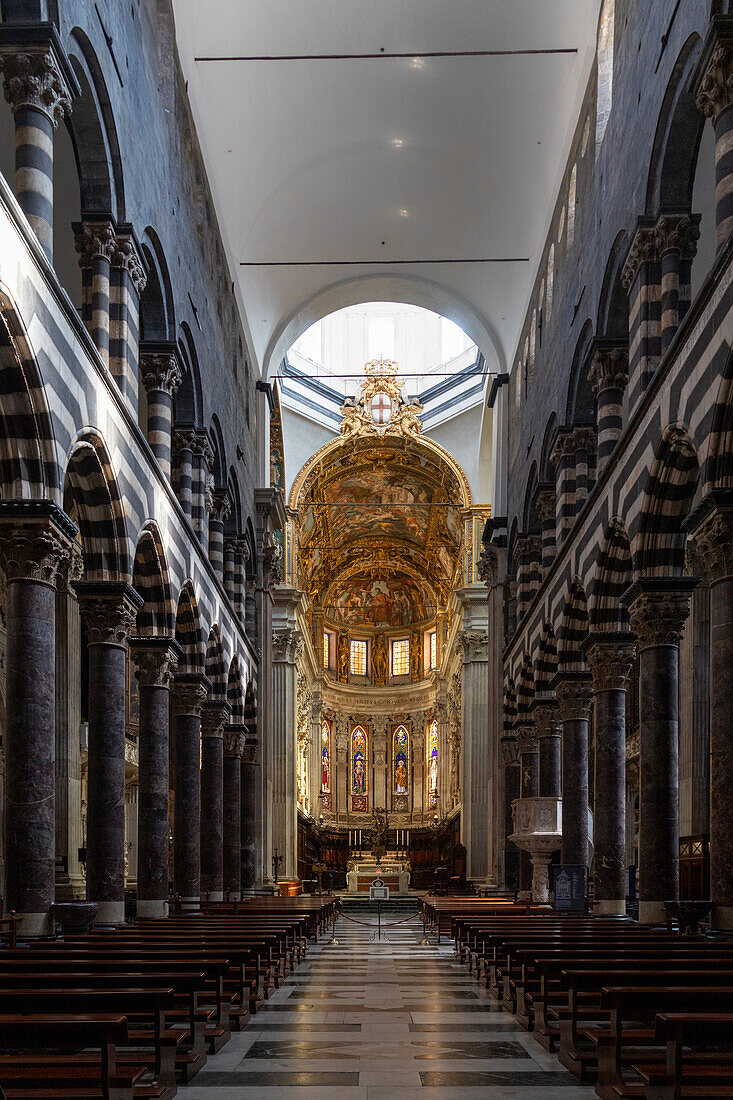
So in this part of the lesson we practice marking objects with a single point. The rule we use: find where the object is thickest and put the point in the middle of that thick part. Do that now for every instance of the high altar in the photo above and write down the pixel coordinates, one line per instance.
(394, 873)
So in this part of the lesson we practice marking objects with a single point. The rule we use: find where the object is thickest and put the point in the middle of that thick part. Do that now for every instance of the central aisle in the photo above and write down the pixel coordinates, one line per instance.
(366, 1020)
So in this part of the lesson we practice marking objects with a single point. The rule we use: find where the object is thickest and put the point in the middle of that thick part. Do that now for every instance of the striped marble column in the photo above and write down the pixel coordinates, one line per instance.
(642, 281)
(533, 552)
(203, 458)
(573, 457)
(39, 85)
(183, 446)
(676, 237)
(545, 506)
(229, 567)
(715, 99)
(161, 375)
(95, 243)
(127, 283)
(220, 510)
(520, 556)
(609, 374)
(241, 557)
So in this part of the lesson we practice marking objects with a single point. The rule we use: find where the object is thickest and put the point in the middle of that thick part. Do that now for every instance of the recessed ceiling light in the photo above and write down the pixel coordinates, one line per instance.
(398, 143)
(404, 213)
(417, 63)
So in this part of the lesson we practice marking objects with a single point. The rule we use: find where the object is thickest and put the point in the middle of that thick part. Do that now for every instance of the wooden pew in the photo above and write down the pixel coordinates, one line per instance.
(682, 1073)
(67, 1078)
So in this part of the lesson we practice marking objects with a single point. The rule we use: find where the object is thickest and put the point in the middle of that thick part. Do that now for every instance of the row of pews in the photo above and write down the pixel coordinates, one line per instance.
(133, 1011)
(641, 1011)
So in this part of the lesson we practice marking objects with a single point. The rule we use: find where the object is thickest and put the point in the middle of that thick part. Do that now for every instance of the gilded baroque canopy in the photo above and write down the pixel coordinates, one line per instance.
(379, 510)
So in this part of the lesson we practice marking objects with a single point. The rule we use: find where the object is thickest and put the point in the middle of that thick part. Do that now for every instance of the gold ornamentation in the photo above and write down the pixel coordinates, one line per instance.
(380, 408)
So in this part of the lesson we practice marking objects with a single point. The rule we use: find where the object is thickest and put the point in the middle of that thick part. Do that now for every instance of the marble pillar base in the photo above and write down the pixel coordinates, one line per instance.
(652, 912)
(722, 916)
(213, 895)
(233, 895)
(110, 912)
(150, 910)
(35, 924)
(615, 907)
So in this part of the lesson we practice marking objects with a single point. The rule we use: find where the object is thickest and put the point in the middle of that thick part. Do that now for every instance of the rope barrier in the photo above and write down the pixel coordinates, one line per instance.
(392, 925)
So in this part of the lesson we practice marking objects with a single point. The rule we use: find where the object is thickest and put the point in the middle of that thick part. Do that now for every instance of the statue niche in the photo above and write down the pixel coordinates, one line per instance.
(379, 660)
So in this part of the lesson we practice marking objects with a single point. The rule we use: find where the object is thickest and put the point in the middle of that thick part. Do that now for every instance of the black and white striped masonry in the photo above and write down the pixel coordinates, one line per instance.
(161, 375)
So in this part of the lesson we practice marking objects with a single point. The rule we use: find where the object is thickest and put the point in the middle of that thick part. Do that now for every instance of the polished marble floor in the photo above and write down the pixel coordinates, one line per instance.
(371, 1020)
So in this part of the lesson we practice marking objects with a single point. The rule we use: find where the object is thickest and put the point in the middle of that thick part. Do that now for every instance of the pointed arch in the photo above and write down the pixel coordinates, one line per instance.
(525, 688)
(216, 668)
(157, 313)
(92, 494)
(235, 692)
(613, 575)
(546, 663)
(250, 708)
(658, 547)
(29, 468)
(151, 579)
(94, 134)
(188, 632)
(581, 405)
(359, 768)
(677, 139)
(613, 306)
(717, 466)
(573, 630)
(188, 399)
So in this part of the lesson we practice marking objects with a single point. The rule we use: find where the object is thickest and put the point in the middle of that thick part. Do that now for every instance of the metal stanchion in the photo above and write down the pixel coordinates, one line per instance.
(333, 939)
(424, 942)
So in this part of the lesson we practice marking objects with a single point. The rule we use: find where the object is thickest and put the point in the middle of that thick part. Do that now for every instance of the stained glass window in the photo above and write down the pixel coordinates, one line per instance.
(358, 776)
(401, 657)
(326, 651)
(358, 663)
(325, 757)
(432, 650)
(432, 746)
(400, 760)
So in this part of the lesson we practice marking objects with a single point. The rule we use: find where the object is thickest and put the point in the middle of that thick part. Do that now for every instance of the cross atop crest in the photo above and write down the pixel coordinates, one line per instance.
(380, 406)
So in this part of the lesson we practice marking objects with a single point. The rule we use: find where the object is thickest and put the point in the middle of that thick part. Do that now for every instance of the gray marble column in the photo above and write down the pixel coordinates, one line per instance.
(249, 783)
(610, 657)
(287, 645)
(39, 85)
(188, 695)
(156, 659)
(658, 609)
(574, 693)
(109, 610)
(712, 526)
(475, 755)
(35, 543)
(549, 731)
(69, 835)
(529, 776)
(214, 717)
(512, 788)
(234, 742)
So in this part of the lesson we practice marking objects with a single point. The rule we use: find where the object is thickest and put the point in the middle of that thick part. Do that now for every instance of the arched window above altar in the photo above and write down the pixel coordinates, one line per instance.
(432, 763)
(401, 768)
(326, 764)
(358, 770)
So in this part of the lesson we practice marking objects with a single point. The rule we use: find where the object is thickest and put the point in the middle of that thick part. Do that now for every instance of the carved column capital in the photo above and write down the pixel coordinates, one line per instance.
(155, 659)
(110, 610)
(711, 529)
(545, 504)
(160, 371)
(125, 257)
(643, 250)
(33, 77)
(658, 609)
(221, 505)
(572, 440)
(678, 233)
(609, 369)
(189, 692)
(715, 84)
(527, 737)
(249, 753)
(474, 645)
(94, 240)
(36, 541)
(235, 740)
(488, 566)
(610, 657)
(510, 751)
(184, 439)
(287, 644)
(574, 693)
(214, 717)
(547, 719)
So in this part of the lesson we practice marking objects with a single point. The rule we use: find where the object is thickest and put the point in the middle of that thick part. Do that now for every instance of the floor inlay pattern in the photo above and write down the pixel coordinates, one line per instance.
(367, 1020)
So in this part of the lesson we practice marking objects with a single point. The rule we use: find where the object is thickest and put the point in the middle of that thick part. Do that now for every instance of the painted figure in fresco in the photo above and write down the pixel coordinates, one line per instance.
(415, 655)
(343, 657)
(379, 660)
(400, 777)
